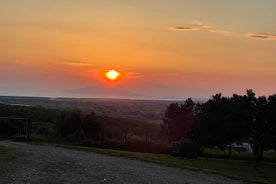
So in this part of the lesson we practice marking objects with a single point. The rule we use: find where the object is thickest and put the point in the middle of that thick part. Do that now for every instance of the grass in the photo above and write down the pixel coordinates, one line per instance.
(216, 153)
(7, 155)
(245, 170)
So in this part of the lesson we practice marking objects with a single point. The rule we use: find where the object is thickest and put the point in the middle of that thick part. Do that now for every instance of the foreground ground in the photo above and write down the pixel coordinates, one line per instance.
(44, 164)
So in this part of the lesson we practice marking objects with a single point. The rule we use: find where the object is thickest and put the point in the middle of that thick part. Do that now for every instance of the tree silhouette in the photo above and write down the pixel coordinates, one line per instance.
(179, 120)
(215, 125)
(246, 118)
(75, 125)
(261, 136)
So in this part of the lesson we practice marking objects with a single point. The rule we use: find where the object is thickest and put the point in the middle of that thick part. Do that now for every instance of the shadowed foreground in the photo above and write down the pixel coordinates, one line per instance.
(44, 164)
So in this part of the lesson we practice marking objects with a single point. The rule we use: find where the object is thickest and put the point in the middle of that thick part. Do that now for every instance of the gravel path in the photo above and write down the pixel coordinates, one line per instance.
(44, 164)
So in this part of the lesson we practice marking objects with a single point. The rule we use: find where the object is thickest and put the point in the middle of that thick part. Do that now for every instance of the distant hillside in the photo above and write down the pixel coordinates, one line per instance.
(146, 110)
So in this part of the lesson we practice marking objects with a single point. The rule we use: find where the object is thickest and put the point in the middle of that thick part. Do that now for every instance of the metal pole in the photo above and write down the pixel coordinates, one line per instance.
(29, 128)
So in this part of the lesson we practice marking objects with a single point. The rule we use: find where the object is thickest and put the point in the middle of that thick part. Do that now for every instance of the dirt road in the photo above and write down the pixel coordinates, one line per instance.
(51, 165)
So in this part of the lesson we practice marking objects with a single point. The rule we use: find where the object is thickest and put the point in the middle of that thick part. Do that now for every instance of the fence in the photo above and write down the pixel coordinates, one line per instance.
(15, 128)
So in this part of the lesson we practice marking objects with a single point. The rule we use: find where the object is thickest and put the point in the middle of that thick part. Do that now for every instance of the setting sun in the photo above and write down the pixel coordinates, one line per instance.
(112, 74)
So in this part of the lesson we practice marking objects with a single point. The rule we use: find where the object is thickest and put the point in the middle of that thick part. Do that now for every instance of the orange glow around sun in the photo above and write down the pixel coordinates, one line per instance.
(112, 74)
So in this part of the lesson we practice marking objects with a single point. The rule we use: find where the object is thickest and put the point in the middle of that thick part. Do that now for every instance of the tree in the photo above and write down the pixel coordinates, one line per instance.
(69, 122)
(74, 124)
(244, 118)
(256, 123)
(179, 120)
(271, 115)
(239, 116)
(214, 126)
(223, 121)
(262, 134)
(90, 126)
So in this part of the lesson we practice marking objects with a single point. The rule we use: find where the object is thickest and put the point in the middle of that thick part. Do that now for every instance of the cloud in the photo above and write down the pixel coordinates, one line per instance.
(197, 25)
(201, 24)
(224, 32)
(197, 22)
(261, 36)
(181, 28)
(76, 63)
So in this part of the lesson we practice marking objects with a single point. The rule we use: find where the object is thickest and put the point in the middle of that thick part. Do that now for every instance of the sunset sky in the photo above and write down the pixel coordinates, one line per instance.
(163, 48)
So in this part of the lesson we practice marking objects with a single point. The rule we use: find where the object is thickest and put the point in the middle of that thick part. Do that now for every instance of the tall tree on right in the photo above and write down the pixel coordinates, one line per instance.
(261, 124)
(271, 123)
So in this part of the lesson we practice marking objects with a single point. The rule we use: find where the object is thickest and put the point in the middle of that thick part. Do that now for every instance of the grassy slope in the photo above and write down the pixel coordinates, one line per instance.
(264, 172)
